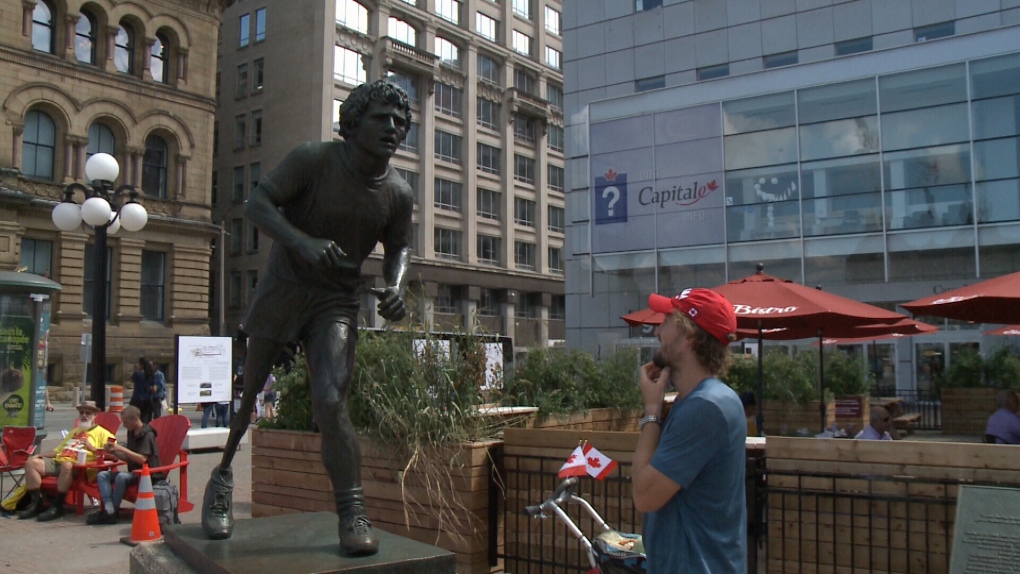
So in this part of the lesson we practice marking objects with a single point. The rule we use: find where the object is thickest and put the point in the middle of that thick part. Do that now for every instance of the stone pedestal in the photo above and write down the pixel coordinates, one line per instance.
(294, 543)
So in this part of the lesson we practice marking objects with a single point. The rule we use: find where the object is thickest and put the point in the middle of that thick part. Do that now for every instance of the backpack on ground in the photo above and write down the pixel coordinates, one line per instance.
(167, 498)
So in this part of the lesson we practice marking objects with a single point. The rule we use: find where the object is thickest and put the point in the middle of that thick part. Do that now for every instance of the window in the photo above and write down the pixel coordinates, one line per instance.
(710, 72)
(124, 50)
(236, 235)
(154, 166)
(260, 25)
(489, 250)
(408, 83)
(555, 261)
(552, 58)
(552, 21)
(447, 298)
(235, 289)
(254, 173)
(258, 75)
(242, 80)
(554, 94)
(88, 279)
(153, 284)
(411, 177)
(447, 147)
(489, 158)
(159, 65)
(245, 30)
(524, 212)
(522, 42)
(522, 8)
(934, 31)
(253, 239)
(488, 70)
(36, 256)
(252, 281)
(215, 185)
(43, 28)
(410, 143)
(558, 307)
(39, 143)
(347, 66)
(447, 195)
(524, 169)
(215, 138)
(85, 37)
(352, 15)
(555, 139)
(488, 303)
(642, 5)
(524, 256)
(402, 31)
(486, 27)
(777, 60)
(238, 195)
(488, 114)
(256, 128)
(557, 219)
(447, 52)
(448, 99)
(335, 118)
(101, 140)
(447, 243)
(524, 82)
(489, 203)
(524, 129)
(448, 10)
(855, 46)
(556, 177)
(653, 83)
(239, 132)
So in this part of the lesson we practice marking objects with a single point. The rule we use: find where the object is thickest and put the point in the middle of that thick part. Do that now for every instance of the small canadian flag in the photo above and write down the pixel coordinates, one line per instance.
(587, 459)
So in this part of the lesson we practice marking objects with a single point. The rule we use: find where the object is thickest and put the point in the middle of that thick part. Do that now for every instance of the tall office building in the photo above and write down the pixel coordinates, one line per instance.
(484, 154)
(134, 80)
(865, 146)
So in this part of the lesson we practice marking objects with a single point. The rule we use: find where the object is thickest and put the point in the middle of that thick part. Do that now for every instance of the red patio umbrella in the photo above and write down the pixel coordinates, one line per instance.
(1009, 330)
(642, 317)
(785, 311)
(993, 301)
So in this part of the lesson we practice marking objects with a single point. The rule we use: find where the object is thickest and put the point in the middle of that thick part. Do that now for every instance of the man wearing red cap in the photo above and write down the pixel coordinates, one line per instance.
(689, 469)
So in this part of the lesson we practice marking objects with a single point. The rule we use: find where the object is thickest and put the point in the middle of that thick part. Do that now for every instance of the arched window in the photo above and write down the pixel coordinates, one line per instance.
(44, 27)
(160, 65)
(101, 140)
(39, 145)
(85, 38)
(154, 166)
(124, 50)
(402, 31)
(352, 15)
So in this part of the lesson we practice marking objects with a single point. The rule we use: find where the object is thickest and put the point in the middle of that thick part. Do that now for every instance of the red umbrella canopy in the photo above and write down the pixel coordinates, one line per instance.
(993, 301)
(1009, 330)
(643, 317)
(903, 328)
(773, 303)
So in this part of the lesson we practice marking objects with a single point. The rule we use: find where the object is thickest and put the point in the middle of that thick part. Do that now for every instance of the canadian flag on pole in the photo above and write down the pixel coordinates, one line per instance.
(587, 459)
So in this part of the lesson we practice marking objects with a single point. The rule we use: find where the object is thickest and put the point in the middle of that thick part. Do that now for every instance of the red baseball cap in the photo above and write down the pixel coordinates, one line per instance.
(710, 310)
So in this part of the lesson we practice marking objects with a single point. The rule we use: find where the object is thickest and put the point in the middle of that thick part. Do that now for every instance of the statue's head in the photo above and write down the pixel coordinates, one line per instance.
(353, 109)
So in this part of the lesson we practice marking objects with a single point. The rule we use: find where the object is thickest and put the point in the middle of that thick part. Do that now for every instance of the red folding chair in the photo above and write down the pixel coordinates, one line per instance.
(109, 421)
(18, 445)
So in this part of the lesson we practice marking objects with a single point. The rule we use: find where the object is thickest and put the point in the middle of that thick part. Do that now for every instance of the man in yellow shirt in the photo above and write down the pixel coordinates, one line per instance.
(87, 437)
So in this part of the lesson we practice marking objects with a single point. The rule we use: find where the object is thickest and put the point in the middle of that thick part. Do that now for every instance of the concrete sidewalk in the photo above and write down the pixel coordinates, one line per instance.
(69, 546)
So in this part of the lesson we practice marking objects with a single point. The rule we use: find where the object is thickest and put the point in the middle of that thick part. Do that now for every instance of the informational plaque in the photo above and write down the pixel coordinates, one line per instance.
(203, 369)
(987, 532)
(850, 407)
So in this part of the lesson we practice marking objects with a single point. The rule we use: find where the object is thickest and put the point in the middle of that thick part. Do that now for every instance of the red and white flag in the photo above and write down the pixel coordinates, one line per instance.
(575, 465)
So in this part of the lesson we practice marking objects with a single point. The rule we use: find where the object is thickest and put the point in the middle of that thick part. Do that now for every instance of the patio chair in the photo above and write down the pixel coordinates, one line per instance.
(18, 445)
(109, 421)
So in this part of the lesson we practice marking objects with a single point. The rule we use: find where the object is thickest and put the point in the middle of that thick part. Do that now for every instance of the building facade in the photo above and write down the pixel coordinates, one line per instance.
(484, 154)
(136, 81)
(866, 147)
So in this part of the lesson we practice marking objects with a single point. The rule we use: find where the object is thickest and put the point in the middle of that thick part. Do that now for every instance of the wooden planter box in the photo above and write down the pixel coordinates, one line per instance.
(786, 418)
(853, 413)
(966, 411)
(604, 419)
(288, 477)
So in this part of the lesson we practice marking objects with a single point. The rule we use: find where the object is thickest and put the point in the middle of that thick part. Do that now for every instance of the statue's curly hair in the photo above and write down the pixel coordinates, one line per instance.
(354, 107)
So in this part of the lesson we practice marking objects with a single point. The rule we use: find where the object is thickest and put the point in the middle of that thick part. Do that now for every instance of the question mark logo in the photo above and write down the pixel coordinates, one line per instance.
(613, 191)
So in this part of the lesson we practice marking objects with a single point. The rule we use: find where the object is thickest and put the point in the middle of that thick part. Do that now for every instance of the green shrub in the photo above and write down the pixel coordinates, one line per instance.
(966, 371)
(1002, 369)
(846, 375)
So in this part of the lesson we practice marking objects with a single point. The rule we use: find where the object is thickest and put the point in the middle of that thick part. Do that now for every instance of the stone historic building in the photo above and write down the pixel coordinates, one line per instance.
(136, 80)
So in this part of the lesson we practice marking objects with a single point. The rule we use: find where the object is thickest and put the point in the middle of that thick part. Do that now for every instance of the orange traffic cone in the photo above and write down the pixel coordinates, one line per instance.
(145, 525)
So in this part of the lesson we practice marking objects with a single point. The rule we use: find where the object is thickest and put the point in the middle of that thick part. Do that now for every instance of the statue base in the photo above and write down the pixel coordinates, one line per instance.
(295, 543)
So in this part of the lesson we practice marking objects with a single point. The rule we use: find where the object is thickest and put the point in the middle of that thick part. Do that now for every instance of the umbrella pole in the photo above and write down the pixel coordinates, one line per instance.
(761, 382)
(821, 379)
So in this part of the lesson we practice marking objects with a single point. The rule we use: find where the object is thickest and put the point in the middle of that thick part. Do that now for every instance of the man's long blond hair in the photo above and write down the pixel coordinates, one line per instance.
(710, 352)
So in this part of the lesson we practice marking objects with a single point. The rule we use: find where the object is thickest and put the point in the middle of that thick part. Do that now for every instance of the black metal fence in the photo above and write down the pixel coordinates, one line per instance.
(925, 403)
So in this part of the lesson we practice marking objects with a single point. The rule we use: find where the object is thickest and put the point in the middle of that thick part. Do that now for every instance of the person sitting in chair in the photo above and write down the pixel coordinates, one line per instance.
(1004, 424)
(87, 437)
(879, 427)
(140, 449)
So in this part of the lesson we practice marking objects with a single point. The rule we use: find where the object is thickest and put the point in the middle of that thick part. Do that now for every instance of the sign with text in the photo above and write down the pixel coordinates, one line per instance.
(850, 407)
(203, 369)
(987, 531)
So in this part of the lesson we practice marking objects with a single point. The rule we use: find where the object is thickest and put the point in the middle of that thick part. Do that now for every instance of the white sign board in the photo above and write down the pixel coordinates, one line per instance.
(493, 364)
(203, 369)
(987, 530)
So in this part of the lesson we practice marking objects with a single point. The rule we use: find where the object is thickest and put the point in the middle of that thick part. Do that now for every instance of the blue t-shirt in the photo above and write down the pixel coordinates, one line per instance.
(703, 528)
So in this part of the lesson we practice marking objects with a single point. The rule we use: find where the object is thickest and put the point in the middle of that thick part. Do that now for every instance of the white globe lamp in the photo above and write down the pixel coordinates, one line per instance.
(114, 225)
(67, 216)
(96, 211)
(102, 167)
(133, 216)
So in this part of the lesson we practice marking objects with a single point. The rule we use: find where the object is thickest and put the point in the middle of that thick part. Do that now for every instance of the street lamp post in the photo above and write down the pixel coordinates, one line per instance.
(103, 210)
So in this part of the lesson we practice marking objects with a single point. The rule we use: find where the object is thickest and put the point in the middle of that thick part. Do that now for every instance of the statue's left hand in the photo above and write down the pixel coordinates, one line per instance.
(391, 306)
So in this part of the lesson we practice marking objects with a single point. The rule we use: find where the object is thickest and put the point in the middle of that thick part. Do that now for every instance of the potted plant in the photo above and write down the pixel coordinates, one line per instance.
(791, 400)
(969, 386)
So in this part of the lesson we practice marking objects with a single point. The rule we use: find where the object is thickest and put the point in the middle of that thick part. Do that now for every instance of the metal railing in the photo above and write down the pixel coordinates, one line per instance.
(926, 403)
